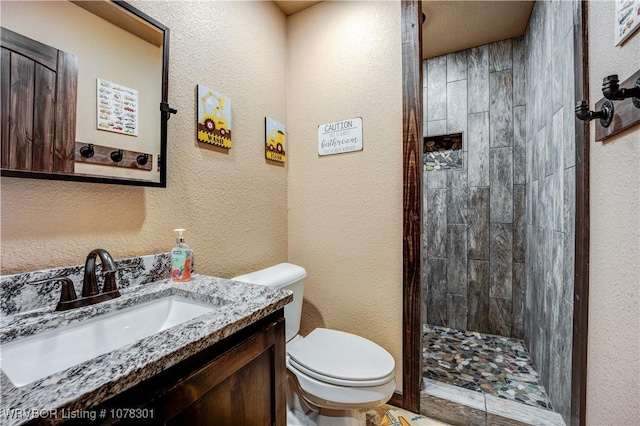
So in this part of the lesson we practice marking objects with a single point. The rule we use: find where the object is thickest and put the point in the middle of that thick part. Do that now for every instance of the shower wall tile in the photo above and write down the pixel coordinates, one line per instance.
(540, 155)
(457, 194)
(478, 79)
(501, 118)
(557, 206)
(437, 86)
(478, 149)
(457, 259)
(517, 330)
(557, 145)
(425, 207)
(500, 55)
(562, 403)
(425, 292)
(436, 179)
(547, 253)
(519, 72)
(424, 77)
(532, 157)
(501, 258)
(530, 200)
(437, 127)
(569, 211)
(518, 223)
(501, 181)
(558, 65)
(457, 311)
(478, 296)
(425, 115)
(500, 316)
(457, 107)
(547, 47)
(519, 145)
(436, 229)
(436, 273)
(479, 223)
(457, 66)
(564, 332)
(557, 263)
(548, 150)
(568, 103)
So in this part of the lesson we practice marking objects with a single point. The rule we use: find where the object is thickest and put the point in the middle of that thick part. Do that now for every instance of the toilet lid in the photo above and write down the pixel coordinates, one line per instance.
(342, 358)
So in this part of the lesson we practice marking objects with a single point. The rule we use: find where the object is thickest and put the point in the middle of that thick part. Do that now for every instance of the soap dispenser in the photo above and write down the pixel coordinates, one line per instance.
(181, 259)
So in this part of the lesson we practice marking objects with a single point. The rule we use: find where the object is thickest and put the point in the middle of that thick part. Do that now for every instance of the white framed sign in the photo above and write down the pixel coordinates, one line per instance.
(340, 136)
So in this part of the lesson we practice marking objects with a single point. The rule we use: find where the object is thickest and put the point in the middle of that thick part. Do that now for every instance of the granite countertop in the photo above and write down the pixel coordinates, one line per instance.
(90, 383)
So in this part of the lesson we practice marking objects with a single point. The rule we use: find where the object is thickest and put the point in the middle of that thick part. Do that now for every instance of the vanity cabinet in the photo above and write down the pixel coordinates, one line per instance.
(237, 381)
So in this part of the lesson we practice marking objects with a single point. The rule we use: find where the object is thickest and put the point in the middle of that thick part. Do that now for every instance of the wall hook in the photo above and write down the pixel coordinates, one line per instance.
(611, 90)
(142, 159)
(87, 151)
(605, 114)
(116, 156)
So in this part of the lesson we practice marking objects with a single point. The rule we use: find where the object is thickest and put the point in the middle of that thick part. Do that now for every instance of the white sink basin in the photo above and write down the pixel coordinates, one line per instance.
(35, 357)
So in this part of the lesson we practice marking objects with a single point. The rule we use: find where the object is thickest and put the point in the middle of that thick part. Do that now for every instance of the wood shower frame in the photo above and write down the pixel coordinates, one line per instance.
(409, 398)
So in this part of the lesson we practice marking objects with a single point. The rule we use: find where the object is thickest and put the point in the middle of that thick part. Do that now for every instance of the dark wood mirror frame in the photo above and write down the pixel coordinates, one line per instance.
(163, 110)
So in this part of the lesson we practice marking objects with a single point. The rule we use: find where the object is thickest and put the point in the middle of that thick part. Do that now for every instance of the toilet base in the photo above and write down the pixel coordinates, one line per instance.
(326, 417)
(302, 412)
(341, 417)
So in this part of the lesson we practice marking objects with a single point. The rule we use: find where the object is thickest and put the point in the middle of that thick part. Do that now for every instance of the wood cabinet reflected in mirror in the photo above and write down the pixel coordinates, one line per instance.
(84, 92)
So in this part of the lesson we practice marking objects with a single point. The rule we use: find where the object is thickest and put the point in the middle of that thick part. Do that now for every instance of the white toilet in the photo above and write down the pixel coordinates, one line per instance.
(333, 377)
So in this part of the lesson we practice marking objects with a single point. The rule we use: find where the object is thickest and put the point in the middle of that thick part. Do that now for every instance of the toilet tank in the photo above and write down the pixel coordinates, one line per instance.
(282, 276)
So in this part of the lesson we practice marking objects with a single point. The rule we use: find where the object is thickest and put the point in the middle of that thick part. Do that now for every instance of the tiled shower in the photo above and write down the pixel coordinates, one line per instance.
(499, 231)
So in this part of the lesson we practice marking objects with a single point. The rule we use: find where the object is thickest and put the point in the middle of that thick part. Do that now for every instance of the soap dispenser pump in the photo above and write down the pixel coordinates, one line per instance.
(181, 259)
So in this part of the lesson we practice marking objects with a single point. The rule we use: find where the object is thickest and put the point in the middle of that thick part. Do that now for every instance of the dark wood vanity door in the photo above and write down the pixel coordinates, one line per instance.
(245, 386)
(38, 86)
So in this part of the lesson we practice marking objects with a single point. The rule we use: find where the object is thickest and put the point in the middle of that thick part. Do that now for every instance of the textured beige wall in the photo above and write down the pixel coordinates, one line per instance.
(233, 204)
(613, 378)
(345, 210)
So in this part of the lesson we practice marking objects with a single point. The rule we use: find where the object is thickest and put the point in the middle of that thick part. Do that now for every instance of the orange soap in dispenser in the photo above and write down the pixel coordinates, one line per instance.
(181, 259)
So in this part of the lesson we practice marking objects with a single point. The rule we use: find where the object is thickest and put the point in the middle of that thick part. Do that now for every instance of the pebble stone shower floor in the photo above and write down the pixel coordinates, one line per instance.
(495, 365)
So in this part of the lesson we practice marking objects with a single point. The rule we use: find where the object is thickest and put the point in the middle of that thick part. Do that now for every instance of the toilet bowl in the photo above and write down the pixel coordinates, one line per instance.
(333, 377)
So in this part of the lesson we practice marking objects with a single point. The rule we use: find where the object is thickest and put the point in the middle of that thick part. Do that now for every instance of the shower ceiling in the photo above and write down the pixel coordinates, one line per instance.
(453, 25)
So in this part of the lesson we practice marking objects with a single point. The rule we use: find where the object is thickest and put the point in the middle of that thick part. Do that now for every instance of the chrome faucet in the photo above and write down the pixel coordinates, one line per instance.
(90, 294)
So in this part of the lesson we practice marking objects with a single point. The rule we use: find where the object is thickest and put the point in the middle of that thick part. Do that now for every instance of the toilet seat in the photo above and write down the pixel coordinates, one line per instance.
(341, 359)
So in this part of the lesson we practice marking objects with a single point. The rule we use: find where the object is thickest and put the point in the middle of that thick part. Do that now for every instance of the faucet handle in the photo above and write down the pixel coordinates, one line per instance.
(67, 294)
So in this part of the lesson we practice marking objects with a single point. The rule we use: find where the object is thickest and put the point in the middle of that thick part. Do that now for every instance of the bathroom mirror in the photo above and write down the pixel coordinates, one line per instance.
(84, 92)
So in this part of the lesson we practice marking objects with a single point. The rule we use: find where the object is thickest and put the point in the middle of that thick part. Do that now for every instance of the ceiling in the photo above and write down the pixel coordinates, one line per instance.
(453, 25)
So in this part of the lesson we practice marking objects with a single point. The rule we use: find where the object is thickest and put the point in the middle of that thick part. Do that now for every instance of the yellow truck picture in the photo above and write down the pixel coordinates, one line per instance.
(214, 118)
(275, 146)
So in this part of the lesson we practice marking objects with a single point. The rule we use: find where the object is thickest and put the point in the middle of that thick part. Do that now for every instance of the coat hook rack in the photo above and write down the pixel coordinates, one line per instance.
(605, 114)
(611, 90)
(101, 155)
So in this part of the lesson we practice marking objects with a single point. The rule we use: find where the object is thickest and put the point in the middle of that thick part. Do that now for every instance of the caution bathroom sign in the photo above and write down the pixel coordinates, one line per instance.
(340, 136)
